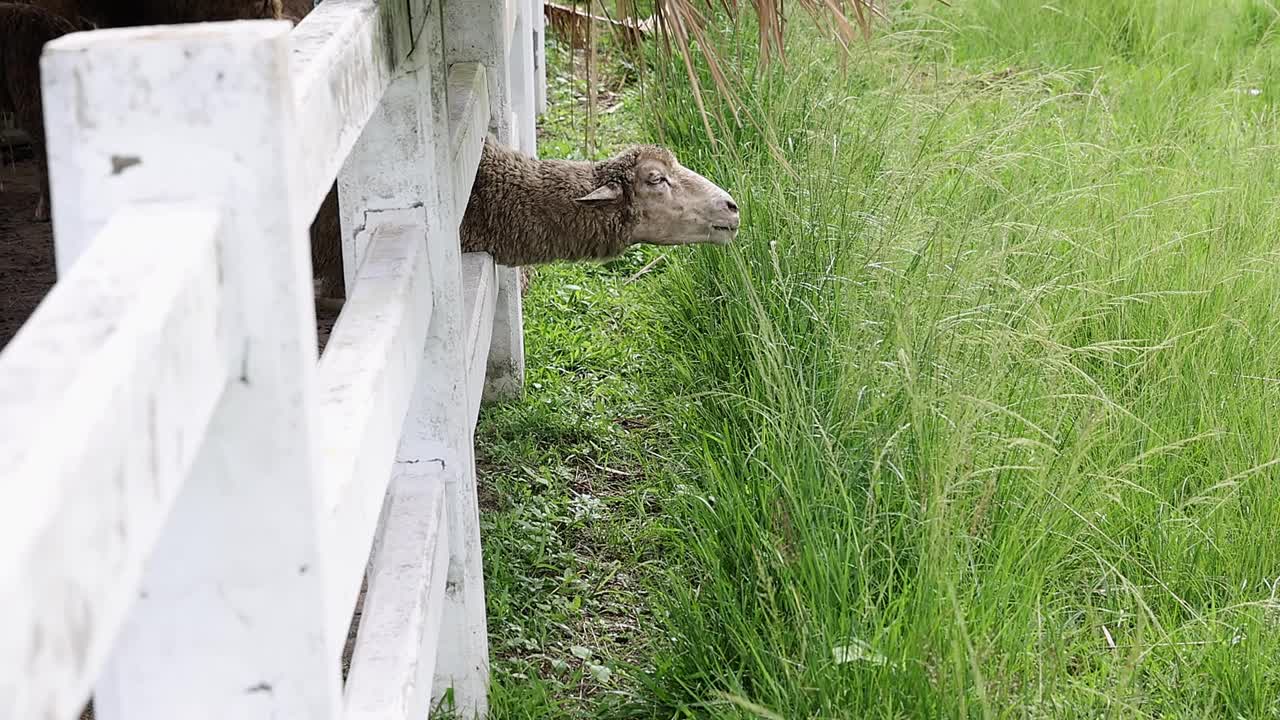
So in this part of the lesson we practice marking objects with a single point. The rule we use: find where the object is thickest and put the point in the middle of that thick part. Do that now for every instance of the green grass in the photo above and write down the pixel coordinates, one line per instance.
(979, 417)
(990, 384)
(573, 474)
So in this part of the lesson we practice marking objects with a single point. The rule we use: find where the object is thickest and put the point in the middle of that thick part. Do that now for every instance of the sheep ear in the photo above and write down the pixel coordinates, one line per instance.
(603, 194)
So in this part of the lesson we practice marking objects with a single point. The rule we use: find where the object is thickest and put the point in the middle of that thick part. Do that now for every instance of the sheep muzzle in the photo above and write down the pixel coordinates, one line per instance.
(674, 205)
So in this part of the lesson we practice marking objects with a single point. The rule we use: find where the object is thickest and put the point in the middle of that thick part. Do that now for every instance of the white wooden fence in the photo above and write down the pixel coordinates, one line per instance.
(189, 497)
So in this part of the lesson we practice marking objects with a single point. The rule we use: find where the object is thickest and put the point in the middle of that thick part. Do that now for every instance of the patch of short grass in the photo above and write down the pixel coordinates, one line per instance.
(572, 474)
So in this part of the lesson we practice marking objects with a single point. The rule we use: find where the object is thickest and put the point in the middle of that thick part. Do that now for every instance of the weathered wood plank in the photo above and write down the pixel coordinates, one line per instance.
(229, 620)
(480, 292)
(504, 368)
(105, 394)
(440, 430)
(395, 652)
(345, 54)
(523, 101)
(477, 31)
(468, 123)
(367, 376)
(413, 120)
(511, 19)
(539, 22)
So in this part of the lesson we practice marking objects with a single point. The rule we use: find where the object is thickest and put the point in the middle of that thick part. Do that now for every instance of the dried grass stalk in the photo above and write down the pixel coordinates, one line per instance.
(684, 27)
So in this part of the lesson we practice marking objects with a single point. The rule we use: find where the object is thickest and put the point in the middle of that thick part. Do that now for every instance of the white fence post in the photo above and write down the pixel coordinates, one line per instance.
(505, 373)
(539, 18)
(482, 31)
(523, 87)
(400, 161)
(230, 620)
(474, 31)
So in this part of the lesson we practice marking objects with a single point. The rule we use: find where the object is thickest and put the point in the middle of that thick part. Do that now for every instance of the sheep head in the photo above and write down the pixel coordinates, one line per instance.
(664, 202)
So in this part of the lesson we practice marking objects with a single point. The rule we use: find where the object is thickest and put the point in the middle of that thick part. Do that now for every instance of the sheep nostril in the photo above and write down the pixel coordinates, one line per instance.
(733, 206)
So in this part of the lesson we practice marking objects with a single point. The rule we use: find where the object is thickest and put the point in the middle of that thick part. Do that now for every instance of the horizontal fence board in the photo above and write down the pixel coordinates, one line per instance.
(395, 652)
(105, 394)
(479, 294)
(468, 126)
(345, 54)
(367, 376)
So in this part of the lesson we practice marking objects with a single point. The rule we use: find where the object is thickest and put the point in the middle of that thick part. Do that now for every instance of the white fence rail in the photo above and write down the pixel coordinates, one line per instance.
(190, 498)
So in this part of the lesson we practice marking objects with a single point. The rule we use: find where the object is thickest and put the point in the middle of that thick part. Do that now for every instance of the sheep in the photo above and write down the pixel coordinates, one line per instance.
(524, 211)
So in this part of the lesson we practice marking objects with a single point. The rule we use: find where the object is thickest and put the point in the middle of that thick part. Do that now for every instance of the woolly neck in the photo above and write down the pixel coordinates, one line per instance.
(524, 211)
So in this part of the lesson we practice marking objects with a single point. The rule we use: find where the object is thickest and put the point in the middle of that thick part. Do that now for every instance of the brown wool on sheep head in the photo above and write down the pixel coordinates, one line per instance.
(525, 211)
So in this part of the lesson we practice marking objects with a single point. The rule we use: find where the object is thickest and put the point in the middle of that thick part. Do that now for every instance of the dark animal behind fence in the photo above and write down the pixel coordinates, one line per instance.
(26, 26)
(24, 29)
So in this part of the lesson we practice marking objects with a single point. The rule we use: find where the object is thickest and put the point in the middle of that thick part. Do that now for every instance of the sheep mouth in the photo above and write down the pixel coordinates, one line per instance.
(722, 234)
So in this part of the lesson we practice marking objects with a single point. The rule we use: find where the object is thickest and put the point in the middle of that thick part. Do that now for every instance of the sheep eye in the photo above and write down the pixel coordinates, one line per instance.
(657, 180)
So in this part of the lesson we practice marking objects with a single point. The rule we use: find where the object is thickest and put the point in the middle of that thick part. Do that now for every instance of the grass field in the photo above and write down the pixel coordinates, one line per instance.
(977, 419)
